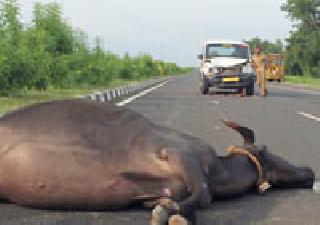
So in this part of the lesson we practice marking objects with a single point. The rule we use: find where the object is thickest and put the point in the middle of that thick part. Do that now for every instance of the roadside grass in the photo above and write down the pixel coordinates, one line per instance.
(29, 97)
(303, 80)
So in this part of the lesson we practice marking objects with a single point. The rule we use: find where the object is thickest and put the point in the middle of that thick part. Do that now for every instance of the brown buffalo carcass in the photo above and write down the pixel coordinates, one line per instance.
(78, 154)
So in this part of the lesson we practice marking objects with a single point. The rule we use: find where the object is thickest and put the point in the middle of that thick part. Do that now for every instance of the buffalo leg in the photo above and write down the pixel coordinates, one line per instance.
(192, 174)
(160, 216)
(197, 185)
(165, 213)
(177, 220)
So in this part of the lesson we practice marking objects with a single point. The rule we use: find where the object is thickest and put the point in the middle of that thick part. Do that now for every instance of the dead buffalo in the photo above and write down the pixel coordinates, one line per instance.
(78, 154)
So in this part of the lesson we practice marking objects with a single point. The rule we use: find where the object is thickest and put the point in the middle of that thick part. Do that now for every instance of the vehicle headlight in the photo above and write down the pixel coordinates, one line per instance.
(215, 70)
(209, 71)
(247, 69)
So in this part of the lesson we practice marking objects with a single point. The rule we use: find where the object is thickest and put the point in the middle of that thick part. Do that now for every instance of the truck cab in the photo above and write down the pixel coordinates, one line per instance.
(226, 65)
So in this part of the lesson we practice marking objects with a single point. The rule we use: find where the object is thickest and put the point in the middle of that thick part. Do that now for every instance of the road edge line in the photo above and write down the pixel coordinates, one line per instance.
(141, 94)
(295, 89)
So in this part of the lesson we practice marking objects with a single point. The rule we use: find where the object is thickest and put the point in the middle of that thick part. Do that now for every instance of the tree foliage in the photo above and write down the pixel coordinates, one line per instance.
(51, 53)
(303, 51)
(267, 46)
(12, 73)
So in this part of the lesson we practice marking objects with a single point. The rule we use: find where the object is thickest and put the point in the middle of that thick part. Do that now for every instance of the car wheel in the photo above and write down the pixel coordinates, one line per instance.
(250, 89)
(204, 86)
(242, 91)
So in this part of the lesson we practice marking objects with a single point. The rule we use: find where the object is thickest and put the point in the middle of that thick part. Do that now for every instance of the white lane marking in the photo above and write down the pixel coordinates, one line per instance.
(316, 187)
(309, 116)
(216, 102)
(139, 95)
(217, 127)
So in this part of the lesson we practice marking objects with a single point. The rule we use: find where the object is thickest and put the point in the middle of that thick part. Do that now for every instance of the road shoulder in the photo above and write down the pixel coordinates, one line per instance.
(295, 87)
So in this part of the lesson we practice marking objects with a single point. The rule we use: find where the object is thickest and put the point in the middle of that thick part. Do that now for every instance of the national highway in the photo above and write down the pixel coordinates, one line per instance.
(287, 121)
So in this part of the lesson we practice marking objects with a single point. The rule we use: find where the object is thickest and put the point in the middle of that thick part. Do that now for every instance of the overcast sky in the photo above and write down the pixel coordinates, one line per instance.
(171, 29)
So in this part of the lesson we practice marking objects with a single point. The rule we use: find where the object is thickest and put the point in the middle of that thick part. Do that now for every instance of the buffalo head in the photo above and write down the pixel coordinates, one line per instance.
(276, 170)
(282, 174)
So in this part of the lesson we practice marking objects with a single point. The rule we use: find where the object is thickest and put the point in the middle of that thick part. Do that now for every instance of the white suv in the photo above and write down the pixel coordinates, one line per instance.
(226, 65)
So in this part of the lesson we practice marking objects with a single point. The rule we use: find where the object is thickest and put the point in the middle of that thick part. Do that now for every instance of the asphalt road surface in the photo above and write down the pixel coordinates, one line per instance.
(287, 121)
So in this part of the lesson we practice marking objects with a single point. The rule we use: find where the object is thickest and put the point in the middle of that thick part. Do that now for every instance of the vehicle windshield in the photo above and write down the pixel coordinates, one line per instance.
(227, 50)
(275, 60)
(278, 62)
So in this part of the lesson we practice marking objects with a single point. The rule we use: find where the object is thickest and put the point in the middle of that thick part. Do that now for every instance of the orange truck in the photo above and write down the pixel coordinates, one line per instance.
(274, 67)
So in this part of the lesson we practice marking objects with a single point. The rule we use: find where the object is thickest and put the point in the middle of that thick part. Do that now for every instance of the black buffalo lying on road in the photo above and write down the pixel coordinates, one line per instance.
(77, 154)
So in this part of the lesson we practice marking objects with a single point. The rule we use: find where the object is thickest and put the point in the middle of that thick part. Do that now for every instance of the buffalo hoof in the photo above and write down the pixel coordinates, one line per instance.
(177, 220)
(170, 205)
(160, 216)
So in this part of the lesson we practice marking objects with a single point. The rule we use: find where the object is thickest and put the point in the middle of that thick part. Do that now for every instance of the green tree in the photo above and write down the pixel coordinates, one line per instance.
(49, 53)
(13, 72)
(48, 18)
(52, 39)
(268, 47)
(303, 49)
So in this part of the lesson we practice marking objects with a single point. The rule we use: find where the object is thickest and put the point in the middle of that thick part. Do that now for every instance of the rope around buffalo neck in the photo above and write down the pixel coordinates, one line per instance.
(262, 184)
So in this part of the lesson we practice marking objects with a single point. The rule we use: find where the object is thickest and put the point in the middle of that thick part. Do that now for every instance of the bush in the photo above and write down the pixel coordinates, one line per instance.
(50, 53)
